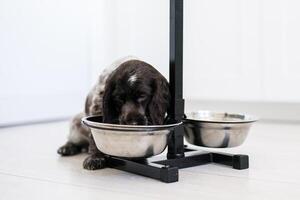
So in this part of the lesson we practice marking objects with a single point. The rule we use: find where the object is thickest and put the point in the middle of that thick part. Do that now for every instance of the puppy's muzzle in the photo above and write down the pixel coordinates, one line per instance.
(133, 119)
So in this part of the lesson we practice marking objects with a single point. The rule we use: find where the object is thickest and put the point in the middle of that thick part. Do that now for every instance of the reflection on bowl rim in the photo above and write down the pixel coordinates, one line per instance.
(125, 128)
(248, 118)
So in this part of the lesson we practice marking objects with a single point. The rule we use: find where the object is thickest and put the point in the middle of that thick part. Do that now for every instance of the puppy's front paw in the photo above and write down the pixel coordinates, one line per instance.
(69, 149)
(94, 162)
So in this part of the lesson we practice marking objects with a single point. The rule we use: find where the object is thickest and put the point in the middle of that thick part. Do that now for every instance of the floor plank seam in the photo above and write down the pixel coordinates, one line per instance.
(74, 185)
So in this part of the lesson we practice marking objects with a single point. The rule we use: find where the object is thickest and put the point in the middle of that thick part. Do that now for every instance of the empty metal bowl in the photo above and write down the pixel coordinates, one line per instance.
(216, 129)
(130, 141)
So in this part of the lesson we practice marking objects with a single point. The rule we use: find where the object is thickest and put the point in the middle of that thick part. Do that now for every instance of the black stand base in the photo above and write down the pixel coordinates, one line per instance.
(167, 170)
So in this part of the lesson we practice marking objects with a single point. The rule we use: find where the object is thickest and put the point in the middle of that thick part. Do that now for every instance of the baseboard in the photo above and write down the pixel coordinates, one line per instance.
(265, 111)
(39, 108)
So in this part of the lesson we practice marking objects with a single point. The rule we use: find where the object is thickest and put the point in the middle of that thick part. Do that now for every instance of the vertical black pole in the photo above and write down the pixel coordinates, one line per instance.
(175, 144)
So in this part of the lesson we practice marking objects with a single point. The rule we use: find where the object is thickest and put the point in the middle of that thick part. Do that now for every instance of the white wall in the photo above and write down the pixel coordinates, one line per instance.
(233, 50)
(47, 56)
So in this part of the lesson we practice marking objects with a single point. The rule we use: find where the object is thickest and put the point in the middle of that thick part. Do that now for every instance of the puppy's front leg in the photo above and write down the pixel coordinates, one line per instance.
(96, 160)
(78, 138)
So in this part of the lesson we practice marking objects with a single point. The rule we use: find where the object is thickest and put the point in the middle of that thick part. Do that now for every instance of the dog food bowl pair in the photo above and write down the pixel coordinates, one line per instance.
(203, 128)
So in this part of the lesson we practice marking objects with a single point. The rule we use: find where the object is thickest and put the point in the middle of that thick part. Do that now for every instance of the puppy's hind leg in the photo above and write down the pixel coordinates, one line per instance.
(78, 138)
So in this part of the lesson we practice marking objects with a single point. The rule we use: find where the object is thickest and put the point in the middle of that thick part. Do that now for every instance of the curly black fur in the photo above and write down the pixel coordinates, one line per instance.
(142, 101)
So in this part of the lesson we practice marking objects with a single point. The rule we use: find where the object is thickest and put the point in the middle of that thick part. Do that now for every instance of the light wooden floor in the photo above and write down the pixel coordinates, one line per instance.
(31, 169)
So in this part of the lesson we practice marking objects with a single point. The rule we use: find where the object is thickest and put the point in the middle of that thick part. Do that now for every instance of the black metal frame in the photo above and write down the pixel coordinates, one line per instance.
(179, 156)
(166, 170)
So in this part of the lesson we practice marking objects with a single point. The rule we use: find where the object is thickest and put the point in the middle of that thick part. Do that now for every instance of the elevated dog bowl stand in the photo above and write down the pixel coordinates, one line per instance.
(179, 155)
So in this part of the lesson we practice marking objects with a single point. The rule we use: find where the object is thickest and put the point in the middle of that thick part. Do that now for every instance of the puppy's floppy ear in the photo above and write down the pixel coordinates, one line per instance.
(160, 101)
(109, 110)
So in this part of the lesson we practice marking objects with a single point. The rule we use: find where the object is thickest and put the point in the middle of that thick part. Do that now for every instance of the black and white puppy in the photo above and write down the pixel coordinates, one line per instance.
(129, 92)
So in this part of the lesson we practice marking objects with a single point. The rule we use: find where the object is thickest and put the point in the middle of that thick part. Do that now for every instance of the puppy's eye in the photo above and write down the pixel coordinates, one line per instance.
(142, 98)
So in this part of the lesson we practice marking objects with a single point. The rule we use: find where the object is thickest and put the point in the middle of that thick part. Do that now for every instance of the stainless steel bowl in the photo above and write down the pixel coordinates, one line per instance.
(217, 129)
(130, 141)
